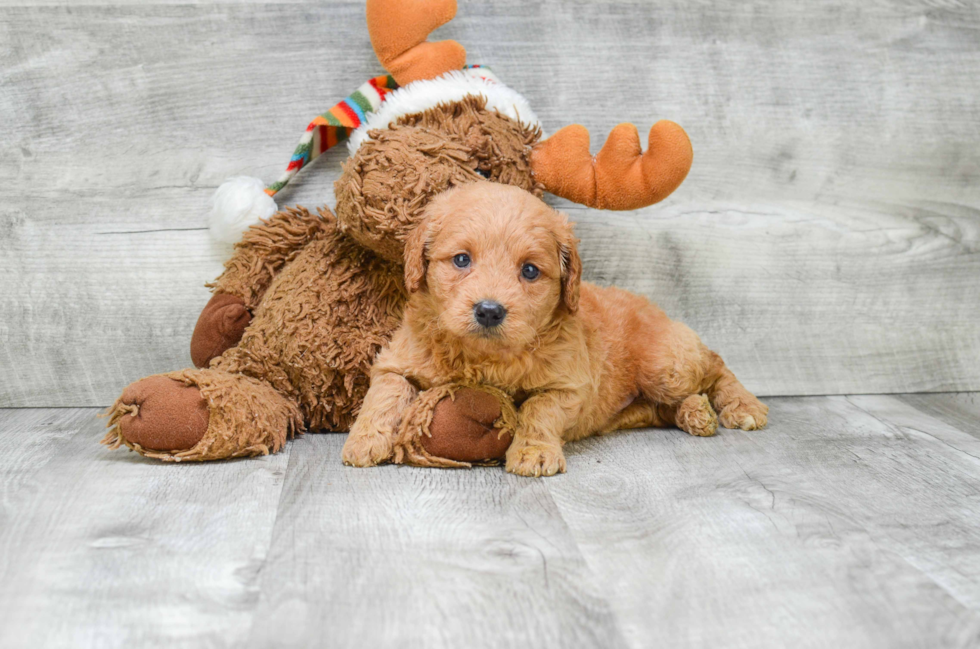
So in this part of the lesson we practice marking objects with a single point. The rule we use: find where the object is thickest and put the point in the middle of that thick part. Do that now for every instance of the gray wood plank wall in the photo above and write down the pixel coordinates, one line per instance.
(825, 242)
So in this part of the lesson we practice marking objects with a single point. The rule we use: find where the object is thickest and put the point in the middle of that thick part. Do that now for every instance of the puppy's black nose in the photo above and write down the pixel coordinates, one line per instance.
(489, 313)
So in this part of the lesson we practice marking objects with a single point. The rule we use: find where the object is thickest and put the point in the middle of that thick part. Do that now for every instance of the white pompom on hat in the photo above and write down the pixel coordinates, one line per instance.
(239, 203)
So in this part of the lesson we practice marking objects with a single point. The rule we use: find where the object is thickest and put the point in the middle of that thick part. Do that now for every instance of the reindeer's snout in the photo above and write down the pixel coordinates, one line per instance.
(489, 314)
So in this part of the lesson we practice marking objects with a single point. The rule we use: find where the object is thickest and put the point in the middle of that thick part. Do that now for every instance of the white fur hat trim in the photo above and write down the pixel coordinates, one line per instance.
(420, 96)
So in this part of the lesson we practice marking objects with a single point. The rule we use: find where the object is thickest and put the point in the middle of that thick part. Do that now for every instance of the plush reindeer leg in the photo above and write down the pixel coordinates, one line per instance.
(621, 176)
(264, 249)
(456, 426)
(399, 29)
(194, 415)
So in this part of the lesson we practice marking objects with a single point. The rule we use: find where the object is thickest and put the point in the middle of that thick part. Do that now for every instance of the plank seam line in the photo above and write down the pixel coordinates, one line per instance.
(601, 594)
(150, 231)
(287, 448)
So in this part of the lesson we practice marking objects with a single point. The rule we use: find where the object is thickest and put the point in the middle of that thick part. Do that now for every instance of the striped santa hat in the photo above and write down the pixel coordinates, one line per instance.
(242, 201)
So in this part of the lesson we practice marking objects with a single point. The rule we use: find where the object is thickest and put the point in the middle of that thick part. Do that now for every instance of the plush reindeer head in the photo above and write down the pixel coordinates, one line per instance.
(446, 127)
(396, 171)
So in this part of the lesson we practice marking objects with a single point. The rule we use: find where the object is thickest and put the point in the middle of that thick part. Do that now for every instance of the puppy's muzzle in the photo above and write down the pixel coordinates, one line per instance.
(489, 314)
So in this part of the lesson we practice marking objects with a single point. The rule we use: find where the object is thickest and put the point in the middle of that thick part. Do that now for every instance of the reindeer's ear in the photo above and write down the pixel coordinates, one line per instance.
(571, 267)
(416, 264)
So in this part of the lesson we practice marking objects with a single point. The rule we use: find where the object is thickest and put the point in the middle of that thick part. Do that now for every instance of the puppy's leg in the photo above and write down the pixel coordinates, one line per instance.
(639, 414)
(671, 375)
(694, 416)
(736, 406)
(536, 449)
(372, 436)
(678, 369)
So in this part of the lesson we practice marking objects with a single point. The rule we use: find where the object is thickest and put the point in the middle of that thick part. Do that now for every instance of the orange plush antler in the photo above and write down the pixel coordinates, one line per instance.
(620, 176)
(398, 31)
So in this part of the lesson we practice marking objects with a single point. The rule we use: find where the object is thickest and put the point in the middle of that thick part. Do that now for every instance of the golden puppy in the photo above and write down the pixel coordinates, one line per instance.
(496, 298)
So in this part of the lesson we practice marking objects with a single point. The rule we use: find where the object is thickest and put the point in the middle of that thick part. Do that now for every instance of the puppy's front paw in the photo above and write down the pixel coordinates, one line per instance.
(747, 413)
(366, 449)
(535, 460)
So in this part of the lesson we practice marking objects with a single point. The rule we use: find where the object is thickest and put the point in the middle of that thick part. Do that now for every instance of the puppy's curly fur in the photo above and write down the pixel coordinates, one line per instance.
(579, 359)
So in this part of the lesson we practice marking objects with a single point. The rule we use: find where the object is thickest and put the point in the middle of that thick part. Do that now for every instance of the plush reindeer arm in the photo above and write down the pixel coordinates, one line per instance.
(264, 249)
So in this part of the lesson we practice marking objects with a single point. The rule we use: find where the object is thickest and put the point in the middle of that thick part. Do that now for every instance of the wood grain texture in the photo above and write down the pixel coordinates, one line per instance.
(835, 527)
(825, 242)
(922, 503)
(958, 409)
(410, 557)
(850, 522)
(108, 549)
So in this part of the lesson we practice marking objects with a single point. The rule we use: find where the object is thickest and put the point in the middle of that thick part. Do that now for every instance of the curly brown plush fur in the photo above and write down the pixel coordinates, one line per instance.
(395, 174)
(264, 250)
(321, 322)
(326, 293)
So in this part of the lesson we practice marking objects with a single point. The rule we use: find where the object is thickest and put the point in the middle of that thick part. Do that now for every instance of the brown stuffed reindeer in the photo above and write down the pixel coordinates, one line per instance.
(307, 300)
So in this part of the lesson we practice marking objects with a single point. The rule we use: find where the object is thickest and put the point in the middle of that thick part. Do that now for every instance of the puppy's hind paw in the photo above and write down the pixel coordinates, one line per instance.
(535, 461)
(746, 413)
(695, 416)
(366, 449)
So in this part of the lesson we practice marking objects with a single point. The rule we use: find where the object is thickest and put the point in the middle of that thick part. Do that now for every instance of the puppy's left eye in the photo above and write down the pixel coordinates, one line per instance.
(462, 260)
(530, 272)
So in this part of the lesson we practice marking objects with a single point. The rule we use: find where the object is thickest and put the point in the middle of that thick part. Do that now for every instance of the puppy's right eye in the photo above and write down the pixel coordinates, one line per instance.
(530, 272)
(462, 260)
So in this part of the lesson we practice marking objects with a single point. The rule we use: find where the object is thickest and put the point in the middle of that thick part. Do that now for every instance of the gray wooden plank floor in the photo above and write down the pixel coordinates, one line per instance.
(851, 522)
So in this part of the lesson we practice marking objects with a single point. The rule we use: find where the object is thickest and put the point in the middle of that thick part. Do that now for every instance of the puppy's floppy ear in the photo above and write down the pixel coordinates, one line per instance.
(416, 264)
(433, 218)
(571, 266)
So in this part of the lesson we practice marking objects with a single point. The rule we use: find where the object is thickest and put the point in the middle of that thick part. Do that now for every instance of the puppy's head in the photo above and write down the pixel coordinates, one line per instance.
(495, 263)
